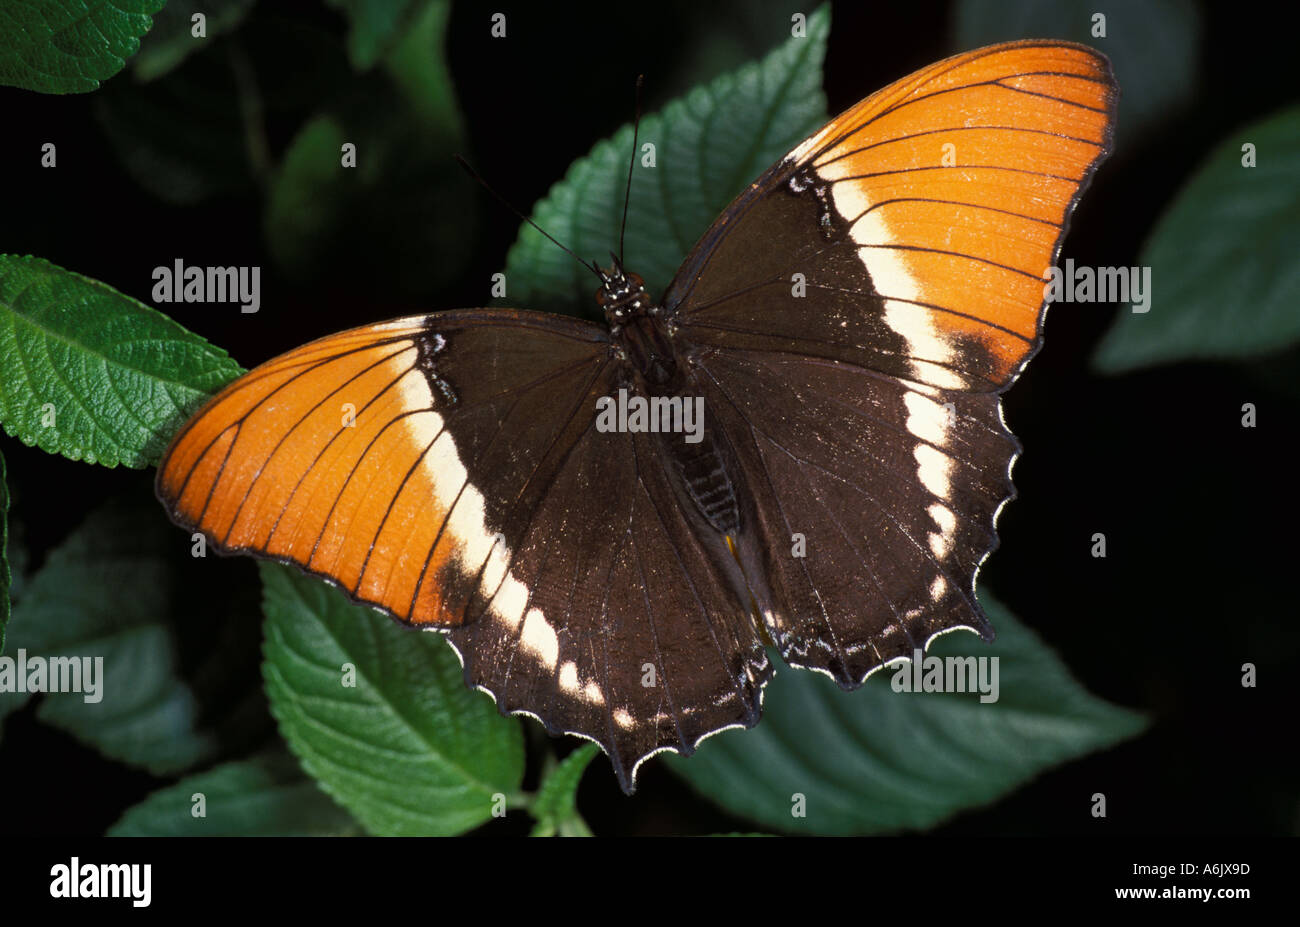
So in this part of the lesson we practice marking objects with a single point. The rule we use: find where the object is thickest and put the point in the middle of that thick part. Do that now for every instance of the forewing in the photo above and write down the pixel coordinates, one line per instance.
(912, 234)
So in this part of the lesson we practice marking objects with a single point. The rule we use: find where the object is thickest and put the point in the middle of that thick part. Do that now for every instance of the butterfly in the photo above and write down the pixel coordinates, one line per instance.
(840, 339)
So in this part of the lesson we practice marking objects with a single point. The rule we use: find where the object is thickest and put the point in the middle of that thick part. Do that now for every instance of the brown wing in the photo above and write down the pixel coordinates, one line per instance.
(447, 470)
(855, 315)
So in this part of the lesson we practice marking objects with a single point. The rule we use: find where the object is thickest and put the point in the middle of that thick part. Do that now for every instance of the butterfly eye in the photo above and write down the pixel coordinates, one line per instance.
(600, 297)
(637, 282)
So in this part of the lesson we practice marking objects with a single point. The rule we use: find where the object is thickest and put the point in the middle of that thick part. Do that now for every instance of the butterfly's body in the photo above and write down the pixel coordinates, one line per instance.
(657, 365)
(847, 326)
(709, 481)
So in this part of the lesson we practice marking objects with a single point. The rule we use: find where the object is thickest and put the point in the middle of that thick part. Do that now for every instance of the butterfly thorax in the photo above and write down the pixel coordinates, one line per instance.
(636, 324)
(649, 350)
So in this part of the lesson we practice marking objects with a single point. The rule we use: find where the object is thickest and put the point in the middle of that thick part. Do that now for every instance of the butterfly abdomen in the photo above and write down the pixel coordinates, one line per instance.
(705, 477)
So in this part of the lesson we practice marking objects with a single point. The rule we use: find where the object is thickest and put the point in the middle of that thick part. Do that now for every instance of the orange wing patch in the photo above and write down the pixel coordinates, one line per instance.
(958, 182)
(333, 457)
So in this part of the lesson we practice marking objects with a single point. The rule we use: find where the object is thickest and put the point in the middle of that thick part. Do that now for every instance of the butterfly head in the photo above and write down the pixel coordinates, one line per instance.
(622, 295)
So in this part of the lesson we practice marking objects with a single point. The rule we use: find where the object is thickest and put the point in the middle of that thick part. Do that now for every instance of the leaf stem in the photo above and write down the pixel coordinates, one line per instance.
(250, 110)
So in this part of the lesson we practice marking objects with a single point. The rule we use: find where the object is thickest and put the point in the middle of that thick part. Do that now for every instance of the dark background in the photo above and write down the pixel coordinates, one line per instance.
(1198, 512)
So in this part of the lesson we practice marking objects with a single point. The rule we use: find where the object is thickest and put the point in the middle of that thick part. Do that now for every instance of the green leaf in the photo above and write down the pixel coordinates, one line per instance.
(172, 39)
(376, 26)
(300, 219)
(417, 65)
(877, 760)
(380, 715)
(184, 139)
(92, 374)
(1153, 45)
(1224, 275)
(169, 639)
(70, 46)
(6, 579)
(404, 200)
(555, 805)
(708, 145)
(265, 796)
(201, 133)
(326, 222)
(723, 37)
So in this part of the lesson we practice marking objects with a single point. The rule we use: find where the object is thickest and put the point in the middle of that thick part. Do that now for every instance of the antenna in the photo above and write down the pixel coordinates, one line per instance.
(627, 197)
(504, 202)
